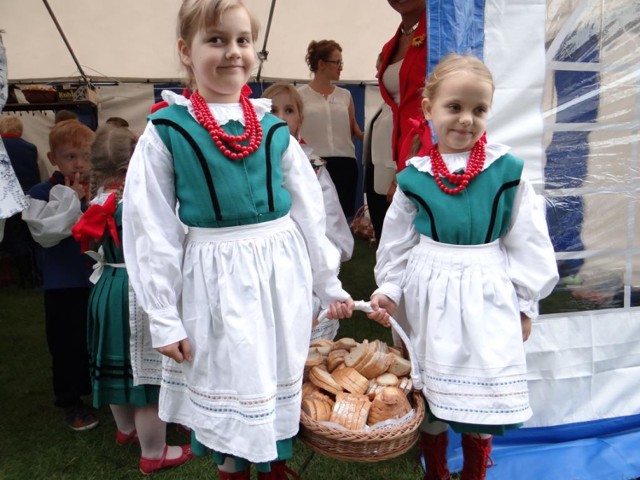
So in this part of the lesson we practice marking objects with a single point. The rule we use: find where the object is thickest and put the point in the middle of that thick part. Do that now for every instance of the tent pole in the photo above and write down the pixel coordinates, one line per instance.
(263, 54)
(64, 38)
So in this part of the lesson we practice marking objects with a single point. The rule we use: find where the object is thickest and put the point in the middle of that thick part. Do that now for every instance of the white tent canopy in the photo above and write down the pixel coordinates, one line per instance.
(124, 39)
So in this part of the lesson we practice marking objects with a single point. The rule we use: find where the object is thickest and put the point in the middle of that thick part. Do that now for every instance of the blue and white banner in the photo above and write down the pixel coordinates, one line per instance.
(509, 36)
(551, 61)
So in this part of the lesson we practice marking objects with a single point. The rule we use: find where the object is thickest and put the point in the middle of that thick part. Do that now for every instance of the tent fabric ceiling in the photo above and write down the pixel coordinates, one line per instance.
(136, 40)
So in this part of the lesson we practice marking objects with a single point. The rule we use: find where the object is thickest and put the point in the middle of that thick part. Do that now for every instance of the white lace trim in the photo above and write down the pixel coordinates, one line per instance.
(222, 112)
(457, 161)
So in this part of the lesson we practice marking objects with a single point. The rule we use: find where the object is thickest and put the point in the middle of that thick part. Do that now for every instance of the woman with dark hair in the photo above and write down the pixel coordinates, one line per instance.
(329, 120)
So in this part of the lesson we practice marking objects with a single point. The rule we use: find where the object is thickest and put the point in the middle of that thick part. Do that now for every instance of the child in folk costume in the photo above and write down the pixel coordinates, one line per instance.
(466, 251)
(54, 207)
(133, 401)
(229, 301)
(286, 104)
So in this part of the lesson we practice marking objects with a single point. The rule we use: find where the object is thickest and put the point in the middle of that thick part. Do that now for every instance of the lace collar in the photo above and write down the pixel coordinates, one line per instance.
(223, 112)
(458, 161)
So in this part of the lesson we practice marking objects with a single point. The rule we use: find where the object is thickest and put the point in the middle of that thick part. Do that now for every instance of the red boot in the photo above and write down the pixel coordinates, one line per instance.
(279, 471)
(241, 475)
(476, 456)
(434, 450)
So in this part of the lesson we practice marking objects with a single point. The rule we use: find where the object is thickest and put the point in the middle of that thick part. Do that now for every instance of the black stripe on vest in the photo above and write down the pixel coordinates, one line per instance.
(434, 231)
(494, 208)
(272, 131)
(201, 159)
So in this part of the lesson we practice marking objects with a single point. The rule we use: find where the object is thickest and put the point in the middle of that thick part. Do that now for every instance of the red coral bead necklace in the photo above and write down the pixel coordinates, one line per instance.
(231, 146)
(474, 167)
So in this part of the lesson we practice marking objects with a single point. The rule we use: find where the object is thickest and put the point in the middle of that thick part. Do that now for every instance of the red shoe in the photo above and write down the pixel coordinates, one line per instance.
(150, 465)
(127, 438)
(279, 471)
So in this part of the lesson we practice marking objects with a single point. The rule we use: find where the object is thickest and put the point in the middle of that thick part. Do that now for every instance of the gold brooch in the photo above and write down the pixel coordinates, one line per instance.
(418, 41)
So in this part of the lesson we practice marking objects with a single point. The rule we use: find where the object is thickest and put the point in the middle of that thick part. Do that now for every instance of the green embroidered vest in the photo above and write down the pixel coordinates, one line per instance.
(215, 191)
(479, 214)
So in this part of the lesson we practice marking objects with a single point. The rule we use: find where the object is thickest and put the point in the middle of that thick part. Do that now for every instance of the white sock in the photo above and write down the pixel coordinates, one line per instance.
(433, 428)
(229, 465)
(124, 417)
(152, 433)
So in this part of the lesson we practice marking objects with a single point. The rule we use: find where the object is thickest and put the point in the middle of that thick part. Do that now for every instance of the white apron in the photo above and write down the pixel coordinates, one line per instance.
(249, 339)
(466, 302)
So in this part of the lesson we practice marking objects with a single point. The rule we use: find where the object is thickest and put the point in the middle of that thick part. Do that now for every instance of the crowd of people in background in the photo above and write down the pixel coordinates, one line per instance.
(252, 223)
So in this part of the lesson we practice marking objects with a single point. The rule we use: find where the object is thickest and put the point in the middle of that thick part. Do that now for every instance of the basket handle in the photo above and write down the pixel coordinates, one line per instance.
(365, 307)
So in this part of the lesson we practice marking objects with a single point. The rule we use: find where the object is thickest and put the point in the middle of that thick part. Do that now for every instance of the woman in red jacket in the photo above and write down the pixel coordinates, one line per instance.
(401, 76)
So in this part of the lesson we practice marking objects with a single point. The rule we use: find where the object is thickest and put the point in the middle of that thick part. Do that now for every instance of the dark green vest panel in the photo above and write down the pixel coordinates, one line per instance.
(479, 214)
(215, 191)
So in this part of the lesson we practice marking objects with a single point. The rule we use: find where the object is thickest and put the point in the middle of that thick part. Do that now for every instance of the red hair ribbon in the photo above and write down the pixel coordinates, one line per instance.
(95, 222)
(420, 129)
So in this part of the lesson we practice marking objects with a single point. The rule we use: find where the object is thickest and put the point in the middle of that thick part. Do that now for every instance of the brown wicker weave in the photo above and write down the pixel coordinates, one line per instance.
(362, 446)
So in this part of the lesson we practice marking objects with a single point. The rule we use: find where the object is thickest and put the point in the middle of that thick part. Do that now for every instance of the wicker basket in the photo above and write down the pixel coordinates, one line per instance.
(365, 446)
(39, 95)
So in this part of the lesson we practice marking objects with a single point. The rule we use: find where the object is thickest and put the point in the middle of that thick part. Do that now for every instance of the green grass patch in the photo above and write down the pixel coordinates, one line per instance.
(35, 444)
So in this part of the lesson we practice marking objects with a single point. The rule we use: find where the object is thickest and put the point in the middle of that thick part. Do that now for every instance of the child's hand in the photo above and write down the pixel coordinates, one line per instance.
(391, 190)
(76, 185)
(383, 308)
(526, 326)
(339, 310)
(179, 351)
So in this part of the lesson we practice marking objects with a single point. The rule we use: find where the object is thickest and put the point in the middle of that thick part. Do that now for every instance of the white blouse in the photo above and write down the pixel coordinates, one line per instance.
(326, 127)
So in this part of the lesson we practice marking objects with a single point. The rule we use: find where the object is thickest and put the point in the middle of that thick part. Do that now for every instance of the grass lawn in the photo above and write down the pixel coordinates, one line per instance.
(35, 444)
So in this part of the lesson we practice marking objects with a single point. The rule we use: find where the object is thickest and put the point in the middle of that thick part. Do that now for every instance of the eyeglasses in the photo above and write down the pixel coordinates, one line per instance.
(340, 63)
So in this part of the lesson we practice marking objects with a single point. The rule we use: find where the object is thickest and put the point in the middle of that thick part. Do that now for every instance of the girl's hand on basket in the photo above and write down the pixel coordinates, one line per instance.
(179, 351)
(338, 310)
(383, 308)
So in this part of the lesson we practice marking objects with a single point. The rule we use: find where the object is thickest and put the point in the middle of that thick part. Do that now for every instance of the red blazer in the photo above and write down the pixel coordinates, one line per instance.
(412, 78)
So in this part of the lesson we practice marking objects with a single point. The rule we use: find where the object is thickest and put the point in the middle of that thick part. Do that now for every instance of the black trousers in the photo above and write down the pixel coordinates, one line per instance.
(377, 204)
(344, 174)
(65, 312)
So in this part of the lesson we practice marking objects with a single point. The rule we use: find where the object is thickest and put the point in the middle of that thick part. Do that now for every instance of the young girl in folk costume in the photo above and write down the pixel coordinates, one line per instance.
(465, 249)
(229, 301)
(134, 406)
(286, 104)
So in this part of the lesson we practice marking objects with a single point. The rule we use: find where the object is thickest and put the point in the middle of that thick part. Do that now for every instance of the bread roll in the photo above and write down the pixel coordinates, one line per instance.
(335, 358)
(390, 402)
(396, 351)
(318, 408)
(308, 388)
(324, 380)
(357, 354)
(399, 366)
(388, 380)
(313, 358)
(406, 385)
(324, 350)
(378, 364)
(345, 344)
(350, 380)
(351, 411)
